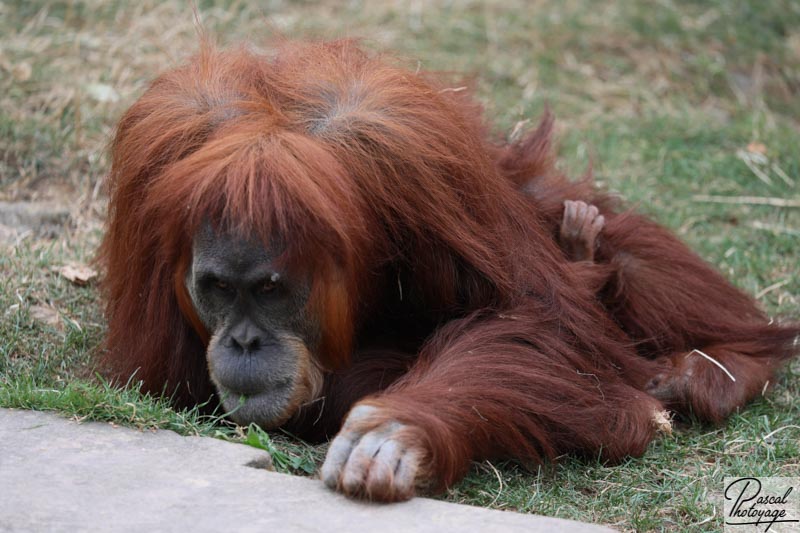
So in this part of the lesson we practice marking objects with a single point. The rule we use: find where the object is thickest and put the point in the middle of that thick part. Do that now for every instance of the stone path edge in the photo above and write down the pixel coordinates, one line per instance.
(60, 475)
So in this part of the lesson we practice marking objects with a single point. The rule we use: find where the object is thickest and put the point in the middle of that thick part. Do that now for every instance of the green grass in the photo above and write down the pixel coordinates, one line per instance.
(661, 96)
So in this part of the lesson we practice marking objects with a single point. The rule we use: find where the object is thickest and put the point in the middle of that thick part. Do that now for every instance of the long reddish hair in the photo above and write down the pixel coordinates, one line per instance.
(363, 170)
(347, 173)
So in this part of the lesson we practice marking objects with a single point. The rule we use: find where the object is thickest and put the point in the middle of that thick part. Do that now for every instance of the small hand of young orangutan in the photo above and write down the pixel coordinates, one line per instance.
(371, 458)
(580, 227)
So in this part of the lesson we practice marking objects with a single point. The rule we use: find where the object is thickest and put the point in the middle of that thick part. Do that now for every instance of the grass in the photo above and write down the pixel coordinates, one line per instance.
(663, 97)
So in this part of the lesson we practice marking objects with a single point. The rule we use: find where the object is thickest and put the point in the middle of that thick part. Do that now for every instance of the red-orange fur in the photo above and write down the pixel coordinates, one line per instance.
(185, 302)
(330, 300)
(432, 248)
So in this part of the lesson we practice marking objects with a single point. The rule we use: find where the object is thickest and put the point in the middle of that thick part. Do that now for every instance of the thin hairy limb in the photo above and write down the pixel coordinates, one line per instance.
(712, 382)
(580, 226)
(487, 388)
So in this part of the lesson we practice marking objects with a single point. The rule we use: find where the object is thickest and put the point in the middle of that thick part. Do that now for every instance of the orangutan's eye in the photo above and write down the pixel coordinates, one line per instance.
(212, 283)
(270, 284)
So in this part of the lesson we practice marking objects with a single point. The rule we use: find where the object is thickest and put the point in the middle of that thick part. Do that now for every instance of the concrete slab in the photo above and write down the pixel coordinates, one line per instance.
(58, 475)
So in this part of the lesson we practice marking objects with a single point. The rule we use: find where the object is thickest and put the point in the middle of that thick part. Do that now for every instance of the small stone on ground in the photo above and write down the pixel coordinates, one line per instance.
(43, 219)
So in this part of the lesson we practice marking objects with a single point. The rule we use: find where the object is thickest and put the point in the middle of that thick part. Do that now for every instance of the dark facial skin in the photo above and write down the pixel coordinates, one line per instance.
(259, 355)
